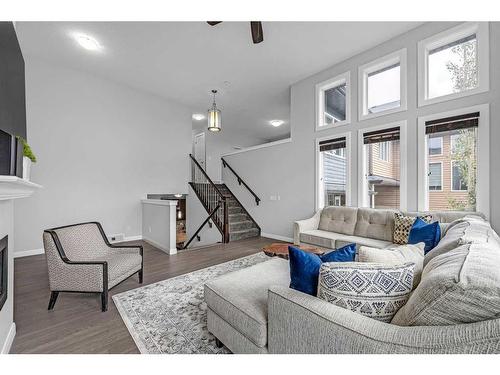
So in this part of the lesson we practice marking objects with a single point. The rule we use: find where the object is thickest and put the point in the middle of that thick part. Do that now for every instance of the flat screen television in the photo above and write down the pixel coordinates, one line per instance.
(10, 155)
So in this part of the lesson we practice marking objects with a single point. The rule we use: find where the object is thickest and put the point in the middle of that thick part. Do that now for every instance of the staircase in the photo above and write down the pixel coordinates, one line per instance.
(227, 213)
(241, 224)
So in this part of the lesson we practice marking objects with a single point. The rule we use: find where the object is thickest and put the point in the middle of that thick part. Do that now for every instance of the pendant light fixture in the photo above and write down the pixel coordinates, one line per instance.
(214, 120)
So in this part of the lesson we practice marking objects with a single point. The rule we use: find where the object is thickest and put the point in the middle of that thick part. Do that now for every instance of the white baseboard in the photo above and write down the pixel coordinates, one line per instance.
(130, 238)
(277, 237)
(161, 247)
(9, 339)
(27, 253)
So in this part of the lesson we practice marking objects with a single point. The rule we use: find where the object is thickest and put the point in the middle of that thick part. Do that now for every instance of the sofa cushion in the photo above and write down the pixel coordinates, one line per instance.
(240, 297)
(373, 290)
(459, 286)
(375, 223)
(394, 255)
(469, 229)
(336, 240)
(304, 266)
(338, 219)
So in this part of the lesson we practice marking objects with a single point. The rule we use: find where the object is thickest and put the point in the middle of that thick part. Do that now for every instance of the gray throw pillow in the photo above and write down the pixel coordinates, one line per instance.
(373, 290)
(396, 255)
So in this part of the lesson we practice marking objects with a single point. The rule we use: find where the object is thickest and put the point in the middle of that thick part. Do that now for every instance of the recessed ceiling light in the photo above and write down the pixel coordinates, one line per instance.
(87, 42)
(198, 117)
(276, 123)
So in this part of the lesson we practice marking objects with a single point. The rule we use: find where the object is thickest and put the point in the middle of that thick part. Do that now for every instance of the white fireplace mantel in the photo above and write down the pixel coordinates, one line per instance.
(12, 187)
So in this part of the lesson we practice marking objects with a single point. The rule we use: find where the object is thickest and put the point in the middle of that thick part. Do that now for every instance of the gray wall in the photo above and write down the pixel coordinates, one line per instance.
(288, 170)
(101, 147)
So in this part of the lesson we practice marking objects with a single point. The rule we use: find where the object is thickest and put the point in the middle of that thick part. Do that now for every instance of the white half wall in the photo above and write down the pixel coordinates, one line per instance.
(287, 170)
(101, 147)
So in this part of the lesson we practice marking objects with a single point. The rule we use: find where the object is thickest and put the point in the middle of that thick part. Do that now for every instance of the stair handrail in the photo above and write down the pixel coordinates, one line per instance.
(240, 180)
(221, 196)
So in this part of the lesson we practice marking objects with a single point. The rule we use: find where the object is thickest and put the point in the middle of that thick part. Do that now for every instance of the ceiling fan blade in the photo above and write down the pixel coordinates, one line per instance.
(257, 34)
(213, 23)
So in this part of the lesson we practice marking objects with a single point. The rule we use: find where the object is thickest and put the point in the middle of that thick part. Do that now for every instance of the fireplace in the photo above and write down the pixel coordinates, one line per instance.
(4, 271)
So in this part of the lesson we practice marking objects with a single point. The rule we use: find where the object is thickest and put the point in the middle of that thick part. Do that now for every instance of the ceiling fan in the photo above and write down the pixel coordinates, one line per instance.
(255, 27)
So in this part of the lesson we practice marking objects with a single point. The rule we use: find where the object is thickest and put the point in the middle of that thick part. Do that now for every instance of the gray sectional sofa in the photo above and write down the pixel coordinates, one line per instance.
(454, 309)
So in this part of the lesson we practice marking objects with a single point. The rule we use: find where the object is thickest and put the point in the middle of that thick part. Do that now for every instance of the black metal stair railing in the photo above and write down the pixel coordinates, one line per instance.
(211, 198)
(240, 180)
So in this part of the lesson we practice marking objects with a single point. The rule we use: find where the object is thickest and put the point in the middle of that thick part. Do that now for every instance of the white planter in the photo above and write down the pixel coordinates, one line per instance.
(26, 168)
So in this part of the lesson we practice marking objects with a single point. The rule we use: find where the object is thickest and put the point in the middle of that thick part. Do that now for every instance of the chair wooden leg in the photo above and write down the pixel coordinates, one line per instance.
(141, 275)
(104, 301)
(53, 299)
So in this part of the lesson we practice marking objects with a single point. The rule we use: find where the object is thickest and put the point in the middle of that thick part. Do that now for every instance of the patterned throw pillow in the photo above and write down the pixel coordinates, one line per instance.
(373, 290)
(402, 227)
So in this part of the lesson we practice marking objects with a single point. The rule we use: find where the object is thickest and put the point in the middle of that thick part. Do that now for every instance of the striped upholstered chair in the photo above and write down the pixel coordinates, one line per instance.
(81, 259)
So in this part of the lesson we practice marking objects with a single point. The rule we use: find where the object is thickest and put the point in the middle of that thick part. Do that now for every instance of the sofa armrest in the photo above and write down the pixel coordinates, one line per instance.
(303, 225)
(300, 323)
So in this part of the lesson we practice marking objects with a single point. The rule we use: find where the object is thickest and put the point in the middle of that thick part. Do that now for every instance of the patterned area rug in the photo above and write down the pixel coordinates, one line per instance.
(170, 317)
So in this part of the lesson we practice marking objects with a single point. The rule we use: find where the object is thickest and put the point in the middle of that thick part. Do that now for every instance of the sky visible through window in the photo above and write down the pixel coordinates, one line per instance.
(384, 88)
(441, 77)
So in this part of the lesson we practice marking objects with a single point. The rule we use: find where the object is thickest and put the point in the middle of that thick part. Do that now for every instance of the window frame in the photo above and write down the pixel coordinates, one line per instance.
(442, 180)
(451, 178)
(481, 29)
(441, 147)
(400, 57)
(344, 78)
(403, 160)
(317, 185)
(483, 157)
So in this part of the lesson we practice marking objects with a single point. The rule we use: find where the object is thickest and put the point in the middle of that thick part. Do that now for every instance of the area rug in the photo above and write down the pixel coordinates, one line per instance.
(170, 316)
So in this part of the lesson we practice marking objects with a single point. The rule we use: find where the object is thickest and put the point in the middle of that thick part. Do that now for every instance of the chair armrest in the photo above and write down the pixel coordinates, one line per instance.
(303, 225)
(81, 276)
(300, 323)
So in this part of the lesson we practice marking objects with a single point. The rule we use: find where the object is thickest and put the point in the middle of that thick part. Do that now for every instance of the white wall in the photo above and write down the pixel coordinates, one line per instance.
(287, 170)
(7, 313)
(101, 147)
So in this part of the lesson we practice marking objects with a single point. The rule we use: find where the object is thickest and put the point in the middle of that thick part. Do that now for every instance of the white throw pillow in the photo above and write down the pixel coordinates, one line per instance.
(373, 290)
(394, 255)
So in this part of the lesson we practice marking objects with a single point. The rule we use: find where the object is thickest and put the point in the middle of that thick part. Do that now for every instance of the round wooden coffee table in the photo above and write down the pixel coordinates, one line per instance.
(280, 249)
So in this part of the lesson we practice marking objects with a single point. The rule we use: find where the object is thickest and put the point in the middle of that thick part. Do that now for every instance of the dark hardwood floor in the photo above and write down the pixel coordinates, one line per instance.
(77, 325)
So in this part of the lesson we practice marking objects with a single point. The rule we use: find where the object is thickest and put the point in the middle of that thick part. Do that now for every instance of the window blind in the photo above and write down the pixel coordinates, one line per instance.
(384, 135)
(378, 71)
(470, 120)
(332, 144)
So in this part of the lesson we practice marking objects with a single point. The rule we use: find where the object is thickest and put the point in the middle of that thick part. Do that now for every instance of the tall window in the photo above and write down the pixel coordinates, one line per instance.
(435, 145)
(382, 165)
(332, 172)
(452, 174)
(382, 86)
(454, 63)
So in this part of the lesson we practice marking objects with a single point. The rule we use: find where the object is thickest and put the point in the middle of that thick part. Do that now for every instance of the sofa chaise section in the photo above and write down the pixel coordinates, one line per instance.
(237, 305)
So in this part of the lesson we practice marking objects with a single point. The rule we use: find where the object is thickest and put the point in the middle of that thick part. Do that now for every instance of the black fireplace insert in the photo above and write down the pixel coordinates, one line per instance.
(4, 271)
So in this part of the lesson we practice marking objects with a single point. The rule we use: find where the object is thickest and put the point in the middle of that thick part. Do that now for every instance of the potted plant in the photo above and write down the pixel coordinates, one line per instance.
(28, 158)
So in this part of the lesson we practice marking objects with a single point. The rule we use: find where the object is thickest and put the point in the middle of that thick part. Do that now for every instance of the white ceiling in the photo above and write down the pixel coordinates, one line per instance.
(183, 61)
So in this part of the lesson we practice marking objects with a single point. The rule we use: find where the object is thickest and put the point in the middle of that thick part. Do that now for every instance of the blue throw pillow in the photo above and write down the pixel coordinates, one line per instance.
(430, 234)
(304, 266)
